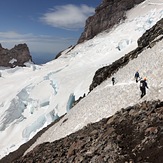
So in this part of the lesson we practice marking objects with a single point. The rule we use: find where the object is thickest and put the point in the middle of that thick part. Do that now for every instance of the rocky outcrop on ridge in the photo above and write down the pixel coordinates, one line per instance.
(16, 56)
(148, 39)
(132, 135)
(107, 14)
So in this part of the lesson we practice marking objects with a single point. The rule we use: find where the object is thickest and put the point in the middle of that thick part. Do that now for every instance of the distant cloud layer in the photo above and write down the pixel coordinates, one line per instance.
(37, 43)
(69, 17)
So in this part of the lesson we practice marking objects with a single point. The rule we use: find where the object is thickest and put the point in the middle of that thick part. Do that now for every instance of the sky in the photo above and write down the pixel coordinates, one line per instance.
(47, 26)
(42, 93)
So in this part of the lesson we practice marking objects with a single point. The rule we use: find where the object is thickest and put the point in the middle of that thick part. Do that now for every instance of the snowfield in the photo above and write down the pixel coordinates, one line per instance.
(106, 99)
(32, 97)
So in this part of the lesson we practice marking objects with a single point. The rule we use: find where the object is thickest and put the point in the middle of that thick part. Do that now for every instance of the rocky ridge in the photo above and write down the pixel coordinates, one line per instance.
(16, 56)
(107, 14)
(132, 135)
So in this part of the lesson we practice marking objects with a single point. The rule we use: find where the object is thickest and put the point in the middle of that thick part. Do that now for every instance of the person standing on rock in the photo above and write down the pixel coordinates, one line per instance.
(143, 86)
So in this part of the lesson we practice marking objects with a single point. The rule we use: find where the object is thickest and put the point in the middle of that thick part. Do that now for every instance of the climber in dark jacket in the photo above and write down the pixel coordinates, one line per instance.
(143, 86)
(137, 76)
(113, 80)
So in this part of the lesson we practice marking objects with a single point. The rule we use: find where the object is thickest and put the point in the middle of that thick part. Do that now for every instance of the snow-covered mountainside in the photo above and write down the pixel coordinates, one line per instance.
(32, 97)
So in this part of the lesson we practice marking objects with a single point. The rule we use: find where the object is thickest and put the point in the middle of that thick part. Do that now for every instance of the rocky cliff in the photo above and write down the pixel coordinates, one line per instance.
(132, 135)
(107, 14)
(16, 56)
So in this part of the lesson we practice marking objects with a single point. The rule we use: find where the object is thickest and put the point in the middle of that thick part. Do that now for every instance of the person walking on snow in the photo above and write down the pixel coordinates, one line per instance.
(137, 76)
(143, 86)
(113, 80)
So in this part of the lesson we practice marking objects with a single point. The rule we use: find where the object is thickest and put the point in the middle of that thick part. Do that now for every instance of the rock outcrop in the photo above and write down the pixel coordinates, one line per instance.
(16, 56)
(107, 14)
(132, 135)
(149, 38)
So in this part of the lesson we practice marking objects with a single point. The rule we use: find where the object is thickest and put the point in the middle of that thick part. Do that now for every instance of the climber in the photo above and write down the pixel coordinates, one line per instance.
(137, 77)
(143, 86)
(113, 80)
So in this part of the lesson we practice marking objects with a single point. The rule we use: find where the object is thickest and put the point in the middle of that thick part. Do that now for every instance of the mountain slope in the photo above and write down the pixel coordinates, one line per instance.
(109, 99)
(132, 135)
(44, 93)
(108, 14)
(147, 40)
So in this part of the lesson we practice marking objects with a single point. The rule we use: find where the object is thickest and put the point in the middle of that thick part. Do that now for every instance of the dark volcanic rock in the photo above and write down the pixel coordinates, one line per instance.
(16, 56)
(132, 135)
(149, 38)
(107, 14)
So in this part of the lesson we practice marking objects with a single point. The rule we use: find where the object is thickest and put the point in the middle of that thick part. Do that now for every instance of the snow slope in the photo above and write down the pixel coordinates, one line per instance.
(106, 99)
(33, 97)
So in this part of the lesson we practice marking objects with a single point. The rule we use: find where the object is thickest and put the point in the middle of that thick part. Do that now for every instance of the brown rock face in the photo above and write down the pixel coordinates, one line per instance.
(16, 56)
(108, 14)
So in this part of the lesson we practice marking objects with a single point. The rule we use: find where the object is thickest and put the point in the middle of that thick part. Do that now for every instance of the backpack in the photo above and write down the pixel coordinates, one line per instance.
(141, 84)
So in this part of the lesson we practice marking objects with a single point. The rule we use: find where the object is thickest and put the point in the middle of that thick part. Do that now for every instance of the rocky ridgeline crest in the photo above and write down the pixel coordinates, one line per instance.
(132, 135)
(16, 56)
(107, 14)
(148, 39)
